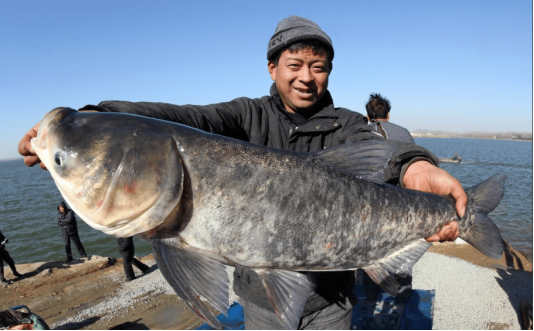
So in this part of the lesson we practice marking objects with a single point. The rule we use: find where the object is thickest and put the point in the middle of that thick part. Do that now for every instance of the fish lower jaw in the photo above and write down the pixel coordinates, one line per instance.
(155, 234)
(168, 229)
(40, 150)
(36, 142)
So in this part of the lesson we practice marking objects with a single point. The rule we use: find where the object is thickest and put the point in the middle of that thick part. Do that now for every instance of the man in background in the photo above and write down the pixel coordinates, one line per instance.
(378, 109)
(67, 221)
(127, 249)
(4, 256)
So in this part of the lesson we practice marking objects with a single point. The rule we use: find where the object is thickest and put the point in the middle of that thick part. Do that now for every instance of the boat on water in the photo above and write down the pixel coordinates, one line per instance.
(454, 159)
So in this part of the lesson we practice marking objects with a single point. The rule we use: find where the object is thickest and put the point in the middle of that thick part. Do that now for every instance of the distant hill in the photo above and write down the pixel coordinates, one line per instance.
(472, 134)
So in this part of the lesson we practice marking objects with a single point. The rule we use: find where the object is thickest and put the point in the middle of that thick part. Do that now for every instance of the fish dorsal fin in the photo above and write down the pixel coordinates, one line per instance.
(192, 272)
(400, 262)
(288, 292)
(366, 159)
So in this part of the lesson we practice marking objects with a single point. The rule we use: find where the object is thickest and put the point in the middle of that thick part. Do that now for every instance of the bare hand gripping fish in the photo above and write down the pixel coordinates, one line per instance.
(204, 201)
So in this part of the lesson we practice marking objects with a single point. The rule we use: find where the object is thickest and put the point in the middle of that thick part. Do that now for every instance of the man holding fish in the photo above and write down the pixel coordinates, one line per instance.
(299, 115)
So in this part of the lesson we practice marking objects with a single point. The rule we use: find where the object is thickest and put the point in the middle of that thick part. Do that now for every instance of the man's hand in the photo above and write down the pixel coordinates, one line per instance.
(26, 150)
(423, 176)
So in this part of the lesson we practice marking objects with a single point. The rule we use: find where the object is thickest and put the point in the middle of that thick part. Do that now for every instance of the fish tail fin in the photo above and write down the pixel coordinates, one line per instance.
(483, 234)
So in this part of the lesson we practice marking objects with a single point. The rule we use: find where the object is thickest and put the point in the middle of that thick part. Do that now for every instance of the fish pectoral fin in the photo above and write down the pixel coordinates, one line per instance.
(367, 159)
(381, 276)
(288, 292)
(400, 262)
(193, 273)
(403, 260)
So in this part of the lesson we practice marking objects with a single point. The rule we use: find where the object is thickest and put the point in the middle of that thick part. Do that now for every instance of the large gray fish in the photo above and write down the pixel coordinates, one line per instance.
(204, 201)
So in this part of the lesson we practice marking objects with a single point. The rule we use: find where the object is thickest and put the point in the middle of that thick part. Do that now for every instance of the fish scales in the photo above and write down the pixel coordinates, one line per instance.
(263, 212)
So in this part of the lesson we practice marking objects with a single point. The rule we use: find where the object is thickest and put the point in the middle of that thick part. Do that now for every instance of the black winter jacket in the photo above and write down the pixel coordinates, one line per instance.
(264, 121)
(67, 220)
(2, 238)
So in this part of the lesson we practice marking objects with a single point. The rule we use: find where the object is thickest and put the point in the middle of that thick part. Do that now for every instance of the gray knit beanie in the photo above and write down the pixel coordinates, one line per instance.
(293, 29)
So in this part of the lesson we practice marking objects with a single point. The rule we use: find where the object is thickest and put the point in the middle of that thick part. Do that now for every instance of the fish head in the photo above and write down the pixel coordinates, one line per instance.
(122, 174)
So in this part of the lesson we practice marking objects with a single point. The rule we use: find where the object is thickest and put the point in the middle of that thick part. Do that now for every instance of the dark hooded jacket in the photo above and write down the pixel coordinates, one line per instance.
(264, 121)
(125, 244)
(2, 246)
(2, 238)
(67, 220)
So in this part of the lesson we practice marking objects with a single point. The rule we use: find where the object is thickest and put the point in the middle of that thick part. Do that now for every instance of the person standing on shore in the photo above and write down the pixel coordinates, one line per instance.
(127, 249)
(378, 109)
(4, 256)
(67, 221)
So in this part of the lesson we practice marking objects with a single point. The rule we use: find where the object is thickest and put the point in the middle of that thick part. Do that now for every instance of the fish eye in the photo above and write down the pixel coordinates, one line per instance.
(58, 158)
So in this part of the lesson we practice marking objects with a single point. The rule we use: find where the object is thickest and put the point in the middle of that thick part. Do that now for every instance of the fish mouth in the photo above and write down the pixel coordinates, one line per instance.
(38, 147)
(40, 142)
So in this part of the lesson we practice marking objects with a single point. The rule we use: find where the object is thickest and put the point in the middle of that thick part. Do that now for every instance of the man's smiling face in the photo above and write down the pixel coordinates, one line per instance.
(301, 78)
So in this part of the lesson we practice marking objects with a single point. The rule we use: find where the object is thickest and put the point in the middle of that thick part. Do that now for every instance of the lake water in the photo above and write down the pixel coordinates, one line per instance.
(483, 158)
(29, 200)
(28, 217)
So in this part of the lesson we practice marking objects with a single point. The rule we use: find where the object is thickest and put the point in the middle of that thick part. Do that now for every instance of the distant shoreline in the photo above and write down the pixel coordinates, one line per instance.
(488, 138)
(12, 158)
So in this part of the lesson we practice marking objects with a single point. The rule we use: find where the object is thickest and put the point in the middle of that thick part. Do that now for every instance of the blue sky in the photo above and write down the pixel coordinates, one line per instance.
(445, 65)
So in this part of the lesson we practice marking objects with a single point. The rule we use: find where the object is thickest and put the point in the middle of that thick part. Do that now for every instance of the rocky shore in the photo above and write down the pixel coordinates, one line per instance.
(472, 292)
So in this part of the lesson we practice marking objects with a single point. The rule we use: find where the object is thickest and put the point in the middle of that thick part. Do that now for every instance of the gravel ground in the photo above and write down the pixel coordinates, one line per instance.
(467, 296)
(122, 300)
(472, 297)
